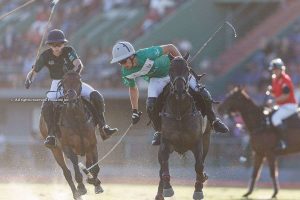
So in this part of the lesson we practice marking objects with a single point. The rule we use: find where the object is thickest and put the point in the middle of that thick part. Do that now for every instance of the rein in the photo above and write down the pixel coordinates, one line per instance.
(172, 83)
(172, 92)
(181, 117)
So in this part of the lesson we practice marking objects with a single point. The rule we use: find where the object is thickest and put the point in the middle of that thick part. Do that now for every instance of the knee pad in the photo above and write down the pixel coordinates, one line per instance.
(97, 96)
(150, 104)
(98, 100)
(205, 94)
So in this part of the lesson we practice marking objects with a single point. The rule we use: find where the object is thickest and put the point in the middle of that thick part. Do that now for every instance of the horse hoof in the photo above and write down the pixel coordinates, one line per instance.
(90, 181)
(198, 195)
(98, 189)
(159, 197)
(81, 189)
(168, 192)
(247, 194)
(274, 196)
(77, 195)
(78, 198)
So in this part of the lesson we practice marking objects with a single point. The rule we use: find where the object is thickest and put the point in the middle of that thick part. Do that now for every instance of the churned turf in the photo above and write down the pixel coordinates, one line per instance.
(33, 191)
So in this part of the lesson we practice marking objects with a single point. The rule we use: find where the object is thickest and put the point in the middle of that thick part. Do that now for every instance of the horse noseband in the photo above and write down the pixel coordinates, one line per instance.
(172, 83)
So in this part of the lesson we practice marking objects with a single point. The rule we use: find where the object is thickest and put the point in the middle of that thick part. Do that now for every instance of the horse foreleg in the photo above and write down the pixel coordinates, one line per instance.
(91, 159)
(78, 176)
(199, 168)
(206, 143)
(272, 161)
(59, 157)
(159, 195)
(163, 158)
(258, 159)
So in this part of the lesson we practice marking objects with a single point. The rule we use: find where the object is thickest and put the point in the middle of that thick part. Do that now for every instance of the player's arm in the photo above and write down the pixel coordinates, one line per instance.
(134, 97)
(78, 66)
(285, 94)
(170, 49)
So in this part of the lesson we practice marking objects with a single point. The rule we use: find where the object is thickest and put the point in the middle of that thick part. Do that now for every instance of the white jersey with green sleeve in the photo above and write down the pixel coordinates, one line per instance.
(151, 63)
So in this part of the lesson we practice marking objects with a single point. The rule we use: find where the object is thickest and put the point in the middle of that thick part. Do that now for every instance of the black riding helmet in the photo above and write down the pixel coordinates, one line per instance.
(56, 36)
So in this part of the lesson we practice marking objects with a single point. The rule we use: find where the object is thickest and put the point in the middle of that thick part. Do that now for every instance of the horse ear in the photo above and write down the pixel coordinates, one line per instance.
(239, 87)
(236, 88)
(186, 56)
(243, 87)
(171, 57)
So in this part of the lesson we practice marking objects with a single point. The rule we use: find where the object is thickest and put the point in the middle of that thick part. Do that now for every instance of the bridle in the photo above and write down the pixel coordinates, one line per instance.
(173, 82)
(66, 97)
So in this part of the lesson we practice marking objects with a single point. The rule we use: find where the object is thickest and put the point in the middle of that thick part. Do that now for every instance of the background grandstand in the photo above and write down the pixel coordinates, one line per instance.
(266, 29)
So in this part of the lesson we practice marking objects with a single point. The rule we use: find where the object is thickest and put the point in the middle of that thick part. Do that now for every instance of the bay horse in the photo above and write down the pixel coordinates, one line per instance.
(182, 129)
(76, 135)
(263, 138)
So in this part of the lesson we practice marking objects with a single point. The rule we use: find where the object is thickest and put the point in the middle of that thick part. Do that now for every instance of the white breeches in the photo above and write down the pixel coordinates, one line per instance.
(53, 95)
(283, 112)
(156, 85)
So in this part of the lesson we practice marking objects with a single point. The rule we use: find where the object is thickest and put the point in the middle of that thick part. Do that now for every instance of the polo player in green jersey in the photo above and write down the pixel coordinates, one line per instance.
(153, 65)
(59, 58)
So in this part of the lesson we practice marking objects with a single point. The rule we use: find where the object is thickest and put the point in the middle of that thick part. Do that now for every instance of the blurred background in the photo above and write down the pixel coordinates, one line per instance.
(266, 29)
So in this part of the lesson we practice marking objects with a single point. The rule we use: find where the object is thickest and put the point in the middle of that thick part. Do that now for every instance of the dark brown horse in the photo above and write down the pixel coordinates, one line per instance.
(183, 129)
(76, 135)
(262, 137)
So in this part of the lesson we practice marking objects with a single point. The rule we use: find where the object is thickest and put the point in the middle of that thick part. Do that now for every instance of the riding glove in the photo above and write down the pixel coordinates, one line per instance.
(136, 116)
(27, 83)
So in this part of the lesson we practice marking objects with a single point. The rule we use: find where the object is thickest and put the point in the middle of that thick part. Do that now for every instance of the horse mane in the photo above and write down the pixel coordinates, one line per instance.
(246, 95)
(72, 73)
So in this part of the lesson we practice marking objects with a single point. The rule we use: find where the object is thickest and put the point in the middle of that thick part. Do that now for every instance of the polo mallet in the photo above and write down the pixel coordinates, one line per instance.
(198, 77)
(87, 170)
(52, 5)
(212, 37)
(16, 9)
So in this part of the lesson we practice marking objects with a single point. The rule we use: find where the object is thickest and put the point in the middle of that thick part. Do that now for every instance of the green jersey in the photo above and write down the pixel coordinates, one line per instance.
(57, 65)
(151, 63)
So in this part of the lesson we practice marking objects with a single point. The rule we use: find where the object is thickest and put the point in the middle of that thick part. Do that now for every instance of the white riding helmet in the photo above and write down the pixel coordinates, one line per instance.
(121, 51)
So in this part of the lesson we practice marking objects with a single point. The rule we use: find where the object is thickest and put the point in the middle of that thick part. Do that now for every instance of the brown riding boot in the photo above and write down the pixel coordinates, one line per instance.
(282, 144)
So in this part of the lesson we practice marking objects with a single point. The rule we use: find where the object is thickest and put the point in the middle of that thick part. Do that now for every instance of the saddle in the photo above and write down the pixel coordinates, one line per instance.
(88, 107)
(292, 121)
(199, 102)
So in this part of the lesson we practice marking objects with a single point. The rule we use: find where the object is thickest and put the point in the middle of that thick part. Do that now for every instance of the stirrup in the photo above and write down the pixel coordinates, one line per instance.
(156, 138)
(281, 145)
(106, 132)
(222, 128)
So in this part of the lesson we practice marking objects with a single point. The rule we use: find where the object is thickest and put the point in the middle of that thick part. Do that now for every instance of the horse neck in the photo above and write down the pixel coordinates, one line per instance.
(182, 107)
(77, 112)
(251, 114)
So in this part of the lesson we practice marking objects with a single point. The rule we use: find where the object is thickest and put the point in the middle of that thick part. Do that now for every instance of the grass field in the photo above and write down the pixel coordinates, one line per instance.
(14, 191)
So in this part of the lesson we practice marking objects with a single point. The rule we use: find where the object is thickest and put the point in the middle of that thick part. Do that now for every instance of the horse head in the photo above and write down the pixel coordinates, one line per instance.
(179, 76)
(71, 84)
(234, 101)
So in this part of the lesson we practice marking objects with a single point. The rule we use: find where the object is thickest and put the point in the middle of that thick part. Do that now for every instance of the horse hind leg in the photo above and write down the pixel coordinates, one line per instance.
(258, 159)
(273, 173)
(59, 157)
